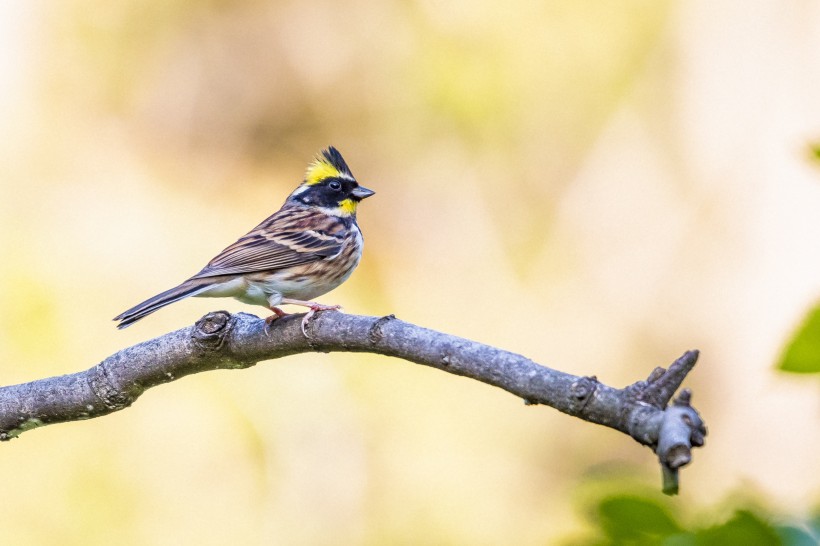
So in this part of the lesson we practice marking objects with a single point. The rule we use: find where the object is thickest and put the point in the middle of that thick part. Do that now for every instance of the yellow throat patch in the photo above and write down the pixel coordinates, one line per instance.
(347, 207)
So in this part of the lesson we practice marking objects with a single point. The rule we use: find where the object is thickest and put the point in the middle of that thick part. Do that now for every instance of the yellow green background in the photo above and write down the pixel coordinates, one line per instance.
(597, 185)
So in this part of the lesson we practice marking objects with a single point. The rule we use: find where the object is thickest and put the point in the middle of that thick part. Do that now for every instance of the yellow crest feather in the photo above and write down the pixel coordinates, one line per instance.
(320, 169)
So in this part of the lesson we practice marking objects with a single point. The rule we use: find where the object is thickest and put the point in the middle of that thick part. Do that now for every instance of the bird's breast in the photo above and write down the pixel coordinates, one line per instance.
(311, 280)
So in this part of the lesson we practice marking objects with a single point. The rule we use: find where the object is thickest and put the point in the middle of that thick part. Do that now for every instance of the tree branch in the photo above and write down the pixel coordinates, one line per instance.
(220, 340)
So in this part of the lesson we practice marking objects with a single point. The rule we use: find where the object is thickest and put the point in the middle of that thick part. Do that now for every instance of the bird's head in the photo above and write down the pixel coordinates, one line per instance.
(330, 185)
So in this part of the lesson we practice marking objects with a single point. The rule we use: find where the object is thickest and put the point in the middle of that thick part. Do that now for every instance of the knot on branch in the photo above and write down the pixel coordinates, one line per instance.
(112, 396)
(581, 391)
(376, 333)
(211, 330)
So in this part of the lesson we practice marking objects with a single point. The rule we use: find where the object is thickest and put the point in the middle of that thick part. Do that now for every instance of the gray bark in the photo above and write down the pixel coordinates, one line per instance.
(220, 340)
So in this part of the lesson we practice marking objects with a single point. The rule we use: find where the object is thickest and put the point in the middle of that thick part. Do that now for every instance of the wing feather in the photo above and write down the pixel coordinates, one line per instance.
(290, 237)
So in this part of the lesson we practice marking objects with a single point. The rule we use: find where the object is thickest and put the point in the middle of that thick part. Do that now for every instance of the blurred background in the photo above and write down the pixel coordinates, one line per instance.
(599, 186)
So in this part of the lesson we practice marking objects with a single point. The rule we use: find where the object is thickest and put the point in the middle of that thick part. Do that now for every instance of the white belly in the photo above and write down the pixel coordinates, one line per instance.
(239, 288)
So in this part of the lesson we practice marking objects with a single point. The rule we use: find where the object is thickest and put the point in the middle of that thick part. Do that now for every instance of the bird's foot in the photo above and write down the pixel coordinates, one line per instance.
(277, 313)
(314, 308)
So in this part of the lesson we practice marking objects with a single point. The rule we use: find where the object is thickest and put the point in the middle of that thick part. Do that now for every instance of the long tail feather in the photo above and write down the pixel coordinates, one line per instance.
(188, 288)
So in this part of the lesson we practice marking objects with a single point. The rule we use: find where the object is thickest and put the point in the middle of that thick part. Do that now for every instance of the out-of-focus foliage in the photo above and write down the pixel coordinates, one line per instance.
(802, 354)
(814, 152)
(647, 520)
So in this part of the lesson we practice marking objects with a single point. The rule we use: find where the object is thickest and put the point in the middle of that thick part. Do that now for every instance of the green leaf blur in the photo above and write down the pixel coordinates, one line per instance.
(647, 520)
(628, 518)
(802, 354)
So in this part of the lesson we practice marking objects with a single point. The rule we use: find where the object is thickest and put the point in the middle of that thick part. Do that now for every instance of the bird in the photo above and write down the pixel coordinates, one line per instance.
(308, 247)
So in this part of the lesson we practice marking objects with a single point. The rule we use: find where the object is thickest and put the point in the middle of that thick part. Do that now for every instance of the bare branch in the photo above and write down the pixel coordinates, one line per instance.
(220, 340)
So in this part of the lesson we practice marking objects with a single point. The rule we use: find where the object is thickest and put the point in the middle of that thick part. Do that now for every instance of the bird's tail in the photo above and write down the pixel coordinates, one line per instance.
(188, 288)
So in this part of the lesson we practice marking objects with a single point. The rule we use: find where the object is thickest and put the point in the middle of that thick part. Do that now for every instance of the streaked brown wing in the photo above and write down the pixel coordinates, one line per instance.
(289, 237)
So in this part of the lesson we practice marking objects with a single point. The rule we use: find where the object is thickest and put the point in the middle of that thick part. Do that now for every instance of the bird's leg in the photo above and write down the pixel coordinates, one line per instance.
(314, 308)
(277, 313)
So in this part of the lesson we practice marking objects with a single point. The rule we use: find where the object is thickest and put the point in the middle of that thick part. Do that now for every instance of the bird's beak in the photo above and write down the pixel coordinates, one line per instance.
(361, 193)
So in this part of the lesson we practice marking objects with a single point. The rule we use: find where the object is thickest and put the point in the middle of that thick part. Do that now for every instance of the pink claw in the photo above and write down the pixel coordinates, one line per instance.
(313, 310)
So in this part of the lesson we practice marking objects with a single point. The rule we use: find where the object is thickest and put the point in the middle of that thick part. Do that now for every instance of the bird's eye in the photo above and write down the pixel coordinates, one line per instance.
(335, 185)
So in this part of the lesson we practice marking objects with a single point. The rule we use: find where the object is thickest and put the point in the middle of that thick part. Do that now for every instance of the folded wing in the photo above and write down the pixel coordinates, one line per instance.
(281, 241)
